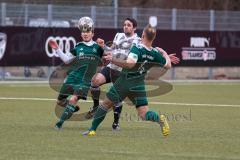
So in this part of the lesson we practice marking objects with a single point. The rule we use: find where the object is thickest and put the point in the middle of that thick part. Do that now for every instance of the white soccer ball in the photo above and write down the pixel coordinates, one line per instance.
(85, 24)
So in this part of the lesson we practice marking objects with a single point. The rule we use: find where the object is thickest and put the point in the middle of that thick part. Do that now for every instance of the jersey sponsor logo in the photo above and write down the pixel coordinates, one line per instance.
(199, 50)
(3, 44)
(81, 54)
(64, 43)
(94, 50)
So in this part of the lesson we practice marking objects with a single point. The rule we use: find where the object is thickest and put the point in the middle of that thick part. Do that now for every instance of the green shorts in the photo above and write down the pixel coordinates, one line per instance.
(133, 88)
(74, 85)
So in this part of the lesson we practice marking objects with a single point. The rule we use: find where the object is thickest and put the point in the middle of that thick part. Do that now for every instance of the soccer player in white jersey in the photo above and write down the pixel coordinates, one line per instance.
(120, 48)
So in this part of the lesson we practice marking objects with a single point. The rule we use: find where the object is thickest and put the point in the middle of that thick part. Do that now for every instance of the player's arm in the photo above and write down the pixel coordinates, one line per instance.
(65, 58)
(128, 63)
(168, 64)
(173, 58)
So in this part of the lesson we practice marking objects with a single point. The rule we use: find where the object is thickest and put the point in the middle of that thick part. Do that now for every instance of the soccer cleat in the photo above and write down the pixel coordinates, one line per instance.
(115, 126)
(89, 133)
(164, 125)
(91, 112)
(58, 125)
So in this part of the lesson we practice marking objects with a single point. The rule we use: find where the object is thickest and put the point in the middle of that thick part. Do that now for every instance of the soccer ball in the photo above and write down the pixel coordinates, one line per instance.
(85, 24)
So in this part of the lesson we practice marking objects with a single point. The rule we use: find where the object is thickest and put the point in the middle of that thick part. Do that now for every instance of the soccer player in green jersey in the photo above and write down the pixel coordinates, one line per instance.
(85, 57)
(140, 59)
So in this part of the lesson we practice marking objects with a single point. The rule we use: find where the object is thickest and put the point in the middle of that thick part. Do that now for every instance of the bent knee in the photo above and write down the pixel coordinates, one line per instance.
(107, 103)
(62, 102)
(98, 80)
(142, 112)
(73, 99)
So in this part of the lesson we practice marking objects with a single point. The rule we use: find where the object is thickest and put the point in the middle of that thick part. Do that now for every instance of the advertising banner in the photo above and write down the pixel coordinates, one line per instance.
(26, 46)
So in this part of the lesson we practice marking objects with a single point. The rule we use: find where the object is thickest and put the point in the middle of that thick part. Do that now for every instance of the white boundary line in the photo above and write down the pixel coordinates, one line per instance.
(170, 81)
(164, 103)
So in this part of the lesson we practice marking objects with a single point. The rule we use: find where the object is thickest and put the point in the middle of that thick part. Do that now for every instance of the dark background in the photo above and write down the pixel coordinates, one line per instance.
(26, 46)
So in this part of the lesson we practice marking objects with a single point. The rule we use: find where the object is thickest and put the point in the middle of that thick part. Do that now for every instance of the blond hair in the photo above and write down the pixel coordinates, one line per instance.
(150, 32)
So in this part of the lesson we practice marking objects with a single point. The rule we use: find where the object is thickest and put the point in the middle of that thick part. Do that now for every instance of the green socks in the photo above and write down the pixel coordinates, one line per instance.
(67, 113)
(98, 117)
(152, 116)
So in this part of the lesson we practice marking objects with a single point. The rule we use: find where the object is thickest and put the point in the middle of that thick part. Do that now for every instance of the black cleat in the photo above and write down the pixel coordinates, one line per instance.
(115, 126)
(58, 125)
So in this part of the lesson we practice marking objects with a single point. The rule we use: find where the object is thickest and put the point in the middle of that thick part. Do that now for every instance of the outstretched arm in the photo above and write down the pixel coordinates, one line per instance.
(172, 57)
(128, 63)
(65, 58)
(168, 64)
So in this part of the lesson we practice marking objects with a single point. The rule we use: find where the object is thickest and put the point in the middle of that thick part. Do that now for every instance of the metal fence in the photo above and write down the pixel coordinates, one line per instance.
(111, 17)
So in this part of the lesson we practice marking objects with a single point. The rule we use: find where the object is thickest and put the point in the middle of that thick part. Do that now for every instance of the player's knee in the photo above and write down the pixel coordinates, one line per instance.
(73, 99)
(98, 80)
(107, 103)
(142, 115)
(142, 112)
(62, 102)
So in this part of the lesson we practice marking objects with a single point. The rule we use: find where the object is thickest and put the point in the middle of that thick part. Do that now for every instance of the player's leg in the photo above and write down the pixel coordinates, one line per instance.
(64, 93)
(138, 96)
(80, 92)
(150, 115)
(68, 111)
(99, 116)
(117, 109)
(113, 96)
(97, 80)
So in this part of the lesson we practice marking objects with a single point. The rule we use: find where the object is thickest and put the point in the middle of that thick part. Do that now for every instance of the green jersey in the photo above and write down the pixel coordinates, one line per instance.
(133, 79)
(83, 68)
(88, 56)
(145, 59)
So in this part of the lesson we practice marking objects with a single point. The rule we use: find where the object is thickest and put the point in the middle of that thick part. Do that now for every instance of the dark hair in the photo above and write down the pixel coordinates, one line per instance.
(150, 32)
(133, 21)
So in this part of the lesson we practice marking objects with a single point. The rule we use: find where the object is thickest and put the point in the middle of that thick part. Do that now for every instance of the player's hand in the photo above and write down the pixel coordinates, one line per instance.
(100, 42)
(53, 44)
(108, 57)
(174, 59)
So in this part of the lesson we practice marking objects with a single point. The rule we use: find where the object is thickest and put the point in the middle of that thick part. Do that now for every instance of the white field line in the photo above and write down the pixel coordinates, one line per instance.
(151, 102)
(209, 82)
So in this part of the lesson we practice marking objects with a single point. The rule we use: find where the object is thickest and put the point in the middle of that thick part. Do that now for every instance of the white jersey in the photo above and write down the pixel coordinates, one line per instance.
(122, 45)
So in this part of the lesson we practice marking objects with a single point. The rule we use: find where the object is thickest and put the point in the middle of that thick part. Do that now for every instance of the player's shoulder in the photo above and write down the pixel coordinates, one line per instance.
(155, 50)
(97, 47)
(79, 44)
(136, 36)
(138, 46)
(119, 36)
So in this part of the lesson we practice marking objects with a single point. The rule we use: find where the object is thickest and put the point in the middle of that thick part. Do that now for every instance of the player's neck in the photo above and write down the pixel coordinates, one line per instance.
(147, 44)
(129, 35)
(88, 43)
